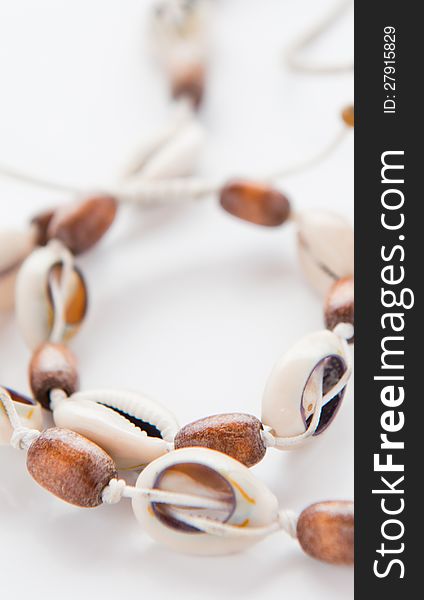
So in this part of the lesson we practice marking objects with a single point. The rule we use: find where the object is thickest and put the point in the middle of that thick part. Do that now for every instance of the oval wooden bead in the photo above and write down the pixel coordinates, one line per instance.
(41, 222)
(255, 202)
(348, 116)
(70, 466)
(80, 225)
(235, 434)
(339, 305)
(188, 81)
(52, 366)
(325, 531)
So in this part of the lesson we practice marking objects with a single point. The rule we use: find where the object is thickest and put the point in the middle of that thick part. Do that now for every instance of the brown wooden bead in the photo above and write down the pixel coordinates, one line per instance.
(70, 466)
(325, 530)
(348, 116)
(80, 225)
(42, 222)
(255, 202)
(235, 434)
(339, 305)
(52, 366)
(188, 81)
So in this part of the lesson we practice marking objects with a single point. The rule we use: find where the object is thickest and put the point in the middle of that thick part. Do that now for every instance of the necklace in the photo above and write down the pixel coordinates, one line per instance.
(307, 384)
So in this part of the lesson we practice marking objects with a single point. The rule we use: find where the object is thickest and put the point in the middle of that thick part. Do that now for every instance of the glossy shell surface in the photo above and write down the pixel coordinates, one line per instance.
(131, 427)
(47, 269)
(204, 472)
(326, 247)
(299, 380)
(178, 156)
(28, 410)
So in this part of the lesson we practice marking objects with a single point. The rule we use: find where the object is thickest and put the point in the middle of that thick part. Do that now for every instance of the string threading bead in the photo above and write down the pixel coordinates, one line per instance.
(287, 520)
(114, 491)
(22, 438)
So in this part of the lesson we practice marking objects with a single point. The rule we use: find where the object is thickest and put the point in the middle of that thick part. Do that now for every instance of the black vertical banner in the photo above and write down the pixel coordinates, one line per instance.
(389, 370)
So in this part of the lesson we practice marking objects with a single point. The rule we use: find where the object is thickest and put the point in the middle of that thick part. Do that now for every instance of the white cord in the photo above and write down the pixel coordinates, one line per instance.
(317, 158)
(22, 437)
(222, 529)
(57, 396)
(170, 191)
(287, 520)
(27, 178)
(345, 331)
(118, 489)
(145, 192)
(295, 62)
(114, 491)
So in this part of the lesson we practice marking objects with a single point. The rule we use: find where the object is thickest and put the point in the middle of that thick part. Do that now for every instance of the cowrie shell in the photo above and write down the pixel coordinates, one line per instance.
(14, 248)
(131, 427)
(325, 246)
(245, 501)
(298, 381)
(51, 296)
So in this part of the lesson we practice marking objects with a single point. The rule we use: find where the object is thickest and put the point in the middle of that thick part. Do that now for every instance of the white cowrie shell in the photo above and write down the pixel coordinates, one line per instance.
(154, 144)
(247, 502)
(93, 415)
(326, 247)
(14, 248)
(29, 412)
(51, 296)
(178, 157)
(179, 27)
(294, 389)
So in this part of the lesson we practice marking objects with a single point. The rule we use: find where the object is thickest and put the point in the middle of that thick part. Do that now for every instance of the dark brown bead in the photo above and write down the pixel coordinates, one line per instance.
(189, 82)
(348, 116)
(80, 225)
(325, 531)
(255, 202)
(52, 366)
(235, 434)
(70, 466)
(42, 222)
(339, 305)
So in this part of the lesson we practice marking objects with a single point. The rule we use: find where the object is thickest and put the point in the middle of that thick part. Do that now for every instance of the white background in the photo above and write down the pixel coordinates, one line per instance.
(190, 306)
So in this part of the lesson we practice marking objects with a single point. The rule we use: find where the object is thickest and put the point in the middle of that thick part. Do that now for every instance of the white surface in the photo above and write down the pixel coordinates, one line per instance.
(191, 306)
